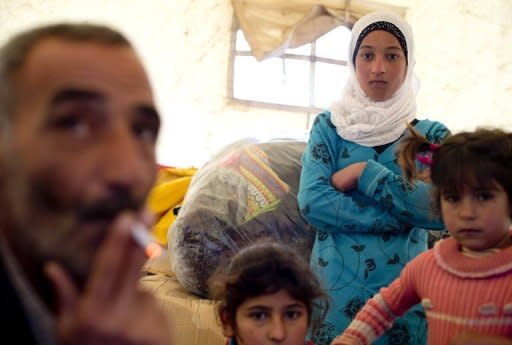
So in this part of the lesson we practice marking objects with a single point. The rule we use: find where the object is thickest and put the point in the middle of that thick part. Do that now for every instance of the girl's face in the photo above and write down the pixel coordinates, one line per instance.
(479, 218)
(270, 319)
(380, 65)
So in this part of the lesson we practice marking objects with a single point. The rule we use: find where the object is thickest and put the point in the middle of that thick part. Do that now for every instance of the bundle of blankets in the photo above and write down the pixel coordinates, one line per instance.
(245, 193)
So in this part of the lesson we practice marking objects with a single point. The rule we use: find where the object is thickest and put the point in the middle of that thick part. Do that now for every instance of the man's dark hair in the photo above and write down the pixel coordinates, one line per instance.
(14, 53)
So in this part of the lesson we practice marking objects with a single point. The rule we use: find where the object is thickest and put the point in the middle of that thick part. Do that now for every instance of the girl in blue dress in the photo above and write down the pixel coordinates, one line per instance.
(369, 221)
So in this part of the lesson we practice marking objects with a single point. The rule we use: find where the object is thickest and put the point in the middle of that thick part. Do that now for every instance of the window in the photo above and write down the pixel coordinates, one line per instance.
(306, 79)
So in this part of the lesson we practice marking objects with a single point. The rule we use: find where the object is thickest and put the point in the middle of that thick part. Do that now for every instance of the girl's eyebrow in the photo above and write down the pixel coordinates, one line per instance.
(485, 189)
(366, 46)
(264, 307)
(296, 305)
(259, 307)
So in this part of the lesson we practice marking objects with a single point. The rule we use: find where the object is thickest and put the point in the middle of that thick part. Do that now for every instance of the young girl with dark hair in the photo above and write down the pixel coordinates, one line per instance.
(266, 295)
(463, 283)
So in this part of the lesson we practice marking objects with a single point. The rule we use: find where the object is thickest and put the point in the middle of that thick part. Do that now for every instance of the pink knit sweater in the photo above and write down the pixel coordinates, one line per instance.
(457, 293)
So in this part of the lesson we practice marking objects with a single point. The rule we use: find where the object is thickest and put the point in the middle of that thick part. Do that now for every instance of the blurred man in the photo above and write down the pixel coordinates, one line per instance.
(78, 127)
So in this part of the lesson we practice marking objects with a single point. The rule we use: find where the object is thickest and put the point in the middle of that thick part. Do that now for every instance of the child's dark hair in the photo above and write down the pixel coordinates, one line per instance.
(260, 269)
(480, 158)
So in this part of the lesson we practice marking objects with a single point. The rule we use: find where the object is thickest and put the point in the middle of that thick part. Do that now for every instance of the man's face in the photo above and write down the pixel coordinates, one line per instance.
(81, 149)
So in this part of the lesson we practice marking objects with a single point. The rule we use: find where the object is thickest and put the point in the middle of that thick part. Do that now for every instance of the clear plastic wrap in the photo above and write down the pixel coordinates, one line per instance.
(247, 192)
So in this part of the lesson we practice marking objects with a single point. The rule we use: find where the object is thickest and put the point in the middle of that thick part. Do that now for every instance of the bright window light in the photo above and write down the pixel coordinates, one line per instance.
(307, 78)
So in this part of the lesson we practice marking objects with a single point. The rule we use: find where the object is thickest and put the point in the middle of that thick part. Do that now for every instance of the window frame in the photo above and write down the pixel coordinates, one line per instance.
(312, 58)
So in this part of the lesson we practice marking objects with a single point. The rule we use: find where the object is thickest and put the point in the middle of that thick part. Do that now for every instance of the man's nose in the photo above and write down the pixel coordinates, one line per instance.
(125, 163)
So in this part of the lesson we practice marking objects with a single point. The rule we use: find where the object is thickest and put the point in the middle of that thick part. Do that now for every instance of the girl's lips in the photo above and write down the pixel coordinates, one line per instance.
(469, 231)
(378, 83)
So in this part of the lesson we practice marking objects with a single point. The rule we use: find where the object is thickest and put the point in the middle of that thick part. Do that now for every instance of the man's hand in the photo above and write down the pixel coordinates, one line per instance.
(111, 309)
(345, 179)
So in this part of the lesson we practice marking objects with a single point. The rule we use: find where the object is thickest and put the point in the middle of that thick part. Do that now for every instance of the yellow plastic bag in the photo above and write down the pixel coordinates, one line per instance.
(166, 195)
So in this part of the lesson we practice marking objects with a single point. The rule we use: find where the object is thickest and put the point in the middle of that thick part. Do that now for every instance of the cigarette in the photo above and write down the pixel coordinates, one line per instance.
(146, 241)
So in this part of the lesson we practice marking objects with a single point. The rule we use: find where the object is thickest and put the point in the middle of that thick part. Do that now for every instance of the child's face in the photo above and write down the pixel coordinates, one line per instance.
(270, 319)
(479, 218)
(380, 65)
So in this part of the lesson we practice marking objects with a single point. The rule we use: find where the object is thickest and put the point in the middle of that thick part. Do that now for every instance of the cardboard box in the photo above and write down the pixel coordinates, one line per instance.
(192, 319)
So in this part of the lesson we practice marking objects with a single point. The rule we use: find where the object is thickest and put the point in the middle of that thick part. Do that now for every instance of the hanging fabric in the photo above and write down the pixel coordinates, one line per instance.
(272, 26)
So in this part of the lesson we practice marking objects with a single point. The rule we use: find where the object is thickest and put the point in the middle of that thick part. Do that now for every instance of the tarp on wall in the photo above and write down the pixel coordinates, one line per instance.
(272, 26)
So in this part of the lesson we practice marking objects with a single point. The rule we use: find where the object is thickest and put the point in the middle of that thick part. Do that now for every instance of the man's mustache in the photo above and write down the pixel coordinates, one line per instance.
(109, 208)
(105, 209)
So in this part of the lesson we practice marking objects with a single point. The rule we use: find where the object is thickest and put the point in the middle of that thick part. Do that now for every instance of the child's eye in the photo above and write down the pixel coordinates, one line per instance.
(366, 55)
(393, 57)
(258, 315)
(450, 198)
(293, 314)
(484, 196)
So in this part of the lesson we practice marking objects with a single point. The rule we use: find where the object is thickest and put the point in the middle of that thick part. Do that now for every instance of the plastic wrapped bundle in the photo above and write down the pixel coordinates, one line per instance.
(245, 193)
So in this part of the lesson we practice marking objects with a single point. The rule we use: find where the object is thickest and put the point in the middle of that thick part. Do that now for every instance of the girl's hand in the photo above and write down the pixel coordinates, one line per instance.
(424, 176)
(344, 340)
(346, 179)
(471, 338)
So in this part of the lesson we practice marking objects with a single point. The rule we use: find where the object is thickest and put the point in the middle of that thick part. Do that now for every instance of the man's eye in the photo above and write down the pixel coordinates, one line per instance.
(146, 131)
(73, 123)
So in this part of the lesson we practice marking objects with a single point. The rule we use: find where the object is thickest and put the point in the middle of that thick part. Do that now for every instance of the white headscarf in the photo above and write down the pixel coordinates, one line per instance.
(370, 123)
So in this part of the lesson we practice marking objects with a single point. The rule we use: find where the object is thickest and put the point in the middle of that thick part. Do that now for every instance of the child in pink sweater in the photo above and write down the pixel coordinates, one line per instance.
(465, 282)
(266, 294)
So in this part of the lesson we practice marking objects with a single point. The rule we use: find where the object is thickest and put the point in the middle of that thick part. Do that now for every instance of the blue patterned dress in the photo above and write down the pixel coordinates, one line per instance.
(365, 236)
(232, 341)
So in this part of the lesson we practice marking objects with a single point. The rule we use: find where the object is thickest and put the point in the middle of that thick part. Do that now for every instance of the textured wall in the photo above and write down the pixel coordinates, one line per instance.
(464, 60)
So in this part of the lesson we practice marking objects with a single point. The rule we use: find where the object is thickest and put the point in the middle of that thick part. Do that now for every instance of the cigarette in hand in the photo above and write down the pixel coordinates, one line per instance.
(146, 241)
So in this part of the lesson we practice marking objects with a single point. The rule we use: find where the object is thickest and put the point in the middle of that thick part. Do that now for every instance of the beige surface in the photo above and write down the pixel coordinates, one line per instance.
(191, 318)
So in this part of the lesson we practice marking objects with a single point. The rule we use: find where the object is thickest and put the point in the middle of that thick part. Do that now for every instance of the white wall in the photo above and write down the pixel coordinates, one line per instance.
(464, 61)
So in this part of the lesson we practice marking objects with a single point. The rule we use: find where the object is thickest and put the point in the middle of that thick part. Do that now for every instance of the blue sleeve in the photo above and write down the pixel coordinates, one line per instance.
(321, 204)
(410, 203)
